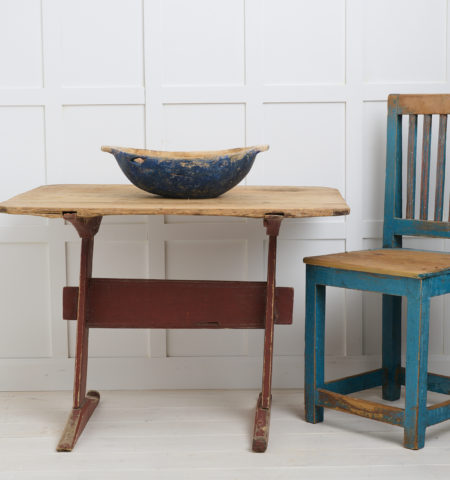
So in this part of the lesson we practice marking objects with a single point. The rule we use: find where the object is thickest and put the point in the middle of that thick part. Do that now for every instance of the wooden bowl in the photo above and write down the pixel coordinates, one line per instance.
(185, 174)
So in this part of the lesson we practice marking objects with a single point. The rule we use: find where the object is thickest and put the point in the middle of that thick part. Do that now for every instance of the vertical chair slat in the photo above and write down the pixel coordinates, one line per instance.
(411, 165)
(425, 179)
(440, 169)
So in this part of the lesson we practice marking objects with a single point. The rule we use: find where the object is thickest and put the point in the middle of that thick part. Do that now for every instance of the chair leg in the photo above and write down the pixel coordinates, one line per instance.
(392, 314)
(314, 345)
(417, 330)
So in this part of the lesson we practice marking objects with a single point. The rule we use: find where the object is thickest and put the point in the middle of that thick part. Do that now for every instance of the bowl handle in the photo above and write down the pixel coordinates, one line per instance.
(106, 148)
(260, 148)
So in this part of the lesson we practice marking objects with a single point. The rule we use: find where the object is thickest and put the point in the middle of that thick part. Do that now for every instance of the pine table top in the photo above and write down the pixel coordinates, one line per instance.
(241, 201)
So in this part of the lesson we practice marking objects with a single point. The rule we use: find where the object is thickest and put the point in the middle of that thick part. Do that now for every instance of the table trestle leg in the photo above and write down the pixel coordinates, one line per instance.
(83, 404)
(262, 416)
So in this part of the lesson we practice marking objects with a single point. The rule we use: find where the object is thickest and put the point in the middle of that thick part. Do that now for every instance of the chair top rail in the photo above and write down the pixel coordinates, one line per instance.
(423, 104)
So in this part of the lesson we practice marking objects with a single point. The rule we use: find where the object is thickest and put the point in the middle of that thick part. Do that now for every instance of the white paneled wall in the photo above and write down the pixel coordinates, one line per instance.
(308, 77)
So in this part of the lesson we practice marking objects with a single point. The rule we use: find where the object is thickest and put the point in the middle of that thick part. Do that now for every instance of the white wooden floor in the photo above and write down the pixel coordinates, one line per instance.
(206, 434)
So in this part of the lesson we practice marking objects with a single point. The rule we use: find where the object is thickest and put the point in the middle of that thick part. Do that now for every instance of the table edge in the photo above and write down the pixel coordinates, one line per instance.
(196, 210)
(303, 213)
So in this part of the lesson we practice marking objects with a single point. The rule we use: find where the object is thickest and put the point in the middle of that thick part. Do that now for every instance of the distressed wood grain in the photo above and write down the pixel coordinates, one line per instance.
(425, 176)
(440, 169)
(421, 104)
(241, 201)
(363, 408)
(386, 261)
(411, 167)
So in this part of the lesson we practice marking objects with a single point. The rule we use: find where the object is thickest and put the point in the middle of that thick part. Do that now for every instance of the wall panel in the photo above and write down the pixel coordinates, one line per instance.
(309, 78)
(23, 155)
(85, 130)
(307, 143)
(291, 25)
(203, 126)
(203, 42)
(373, 160)
(20, 44)
(102, 43)
(400, 52)
(25, 301)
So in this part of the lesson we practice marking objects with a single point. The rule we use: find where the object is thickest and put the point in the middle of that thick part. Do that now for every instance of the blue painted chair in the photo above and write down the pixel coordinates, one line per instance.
(395, 272)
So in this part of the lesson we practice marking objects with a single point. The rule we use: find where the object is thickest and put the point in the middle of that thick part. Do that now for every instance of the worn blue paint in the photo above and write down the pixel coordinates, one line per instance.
(439, 284)
(438, 415)
(206, 175)
(391, 345)
(425, 175)
(436, 383)
(424, 228)
(417, 291)
(315, 347)
(411, 167)
(393, 183)
(417, 329)
(355, 383)
(363, 281)
(440, 169)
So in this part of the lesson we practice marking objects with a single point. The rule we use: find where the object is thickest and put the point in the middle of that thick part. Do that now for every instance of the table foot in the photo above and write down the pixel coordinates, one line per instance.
(77, 421)
(262, 424)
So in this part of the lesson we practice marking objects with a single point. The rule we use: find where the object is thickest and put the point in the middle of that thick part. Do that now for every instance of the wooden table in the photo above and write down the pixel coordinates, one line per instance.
(128, 303)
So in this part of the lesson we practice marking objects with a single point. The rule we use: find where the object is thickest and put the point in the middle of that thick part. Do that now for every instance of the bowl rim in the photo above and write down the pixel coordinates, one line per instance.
(233, 153)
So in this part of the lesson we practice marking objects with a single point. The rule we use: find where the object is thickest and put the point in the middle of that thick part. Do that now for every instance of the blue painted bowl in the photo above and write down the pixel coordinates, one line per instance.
(185, 174)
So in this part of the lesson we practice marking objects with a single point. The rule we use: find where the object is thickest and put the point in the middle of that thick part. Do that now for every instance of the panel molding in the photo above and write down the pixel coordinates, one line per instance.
(184, 372)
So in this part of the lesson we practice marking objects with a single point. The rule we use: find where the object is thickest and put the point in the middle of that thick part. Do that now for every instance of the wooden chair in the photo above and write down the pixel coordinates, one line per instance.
(395, 272)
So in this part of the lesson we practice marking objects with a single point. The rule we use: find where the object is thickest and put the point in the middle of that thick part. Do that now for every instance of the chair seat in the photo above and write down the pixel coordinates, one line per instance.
(397, 262)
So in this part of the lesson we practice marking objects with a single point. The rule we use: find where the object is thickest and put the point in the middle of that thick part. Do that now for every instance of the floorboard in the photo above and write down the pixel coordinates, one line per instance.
(206, 434)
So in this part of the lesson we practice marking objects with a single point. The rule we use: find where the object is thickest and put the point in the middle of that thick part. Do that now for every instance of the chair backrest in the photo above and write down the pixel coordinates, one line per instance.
(413, 220)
